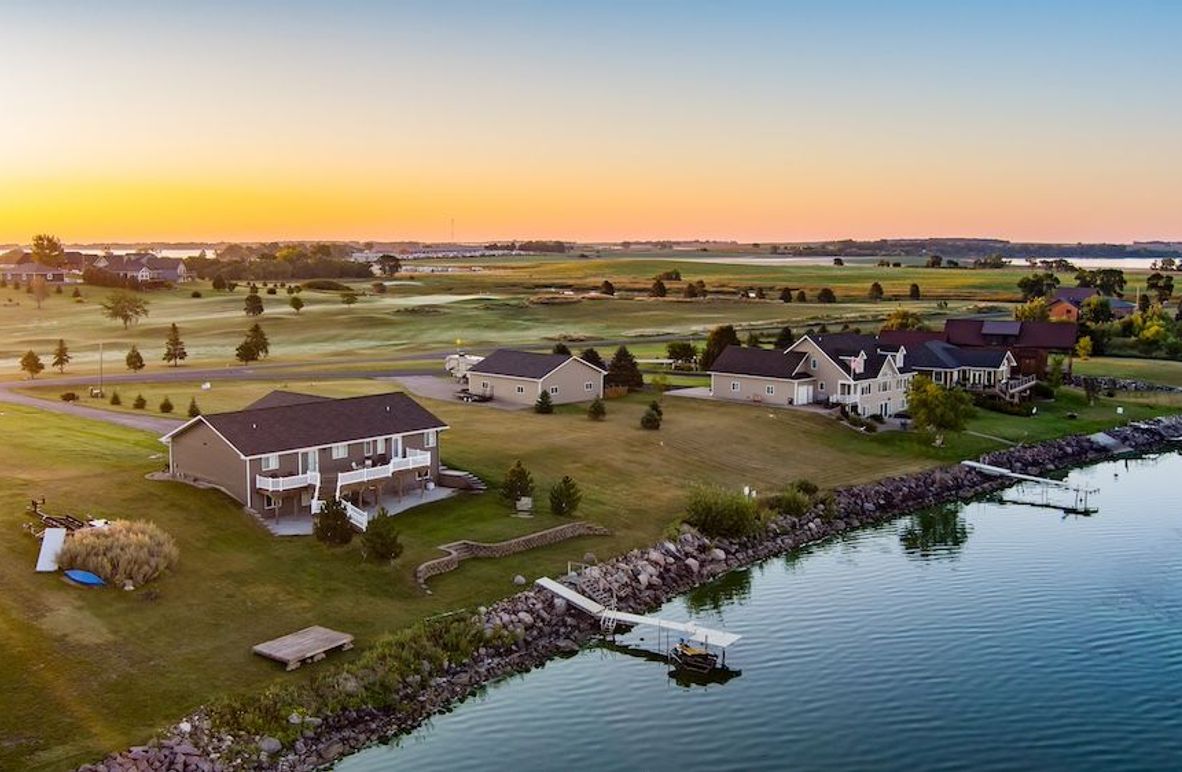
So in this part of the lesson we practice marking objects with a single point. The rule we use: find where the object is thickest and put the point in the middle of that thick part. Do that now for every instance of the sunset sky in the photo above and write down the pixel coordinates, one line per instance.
(125, 121)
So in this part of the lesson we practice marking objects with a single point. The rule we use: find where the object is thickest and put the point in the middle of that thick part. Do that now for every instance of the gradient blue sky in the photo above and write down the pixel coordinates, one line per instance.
(755, 121)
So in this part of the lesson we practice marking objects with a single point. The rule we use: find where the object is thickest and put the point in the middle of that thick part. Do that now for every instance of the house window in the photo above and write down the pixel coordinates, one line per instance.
(814, 363)
(769, 389)
(429, 439)
(271, 463)
(520, 389)
(484, 384)
(553, 389)
(340, 451)
(381, 442)
(588, 386)
(422, 474)
(367, 447)
(270, 502)
(820, 385)
(734, 385)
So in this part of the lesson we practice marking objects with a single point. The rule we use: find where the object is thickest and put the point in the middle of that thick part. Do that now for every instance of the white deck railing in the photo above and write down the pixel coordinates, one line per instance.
(286, 483)
(414, 459)
(358, 517)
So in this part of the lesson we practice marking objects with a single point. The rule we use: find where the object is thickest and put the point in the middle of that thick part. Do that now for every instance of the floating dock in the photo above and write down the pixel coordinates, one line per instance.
(307, 645)
(689, 630)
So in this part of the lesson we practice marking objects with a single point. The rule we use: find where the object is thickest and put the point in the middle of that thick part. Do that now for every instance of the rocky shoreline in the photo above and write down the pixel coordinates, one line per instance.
(542, 626)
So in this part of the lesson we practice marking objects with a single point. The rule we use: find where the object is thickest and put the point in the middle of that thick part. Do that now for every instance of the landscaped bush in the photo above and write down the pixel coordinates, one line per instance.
(518, 484)
(116, 399)
(124, 551)
(140, 403)
(69, 396)
(1042, 390)
(597, 411)
(876, 418)
(272, 291)
(719, 511)
(998, 405)
(380, 539)
(791, 502)
(166, 405)
(565, 497)
(332, 524)
(195, 294)
(328, 285)
(651, 420)
(806, 486)
(544, 405)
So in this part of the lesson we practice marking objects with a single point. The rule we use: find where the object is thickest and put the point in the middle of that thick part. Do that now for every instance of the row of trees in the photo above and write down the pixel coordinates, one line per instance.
(1107, 281)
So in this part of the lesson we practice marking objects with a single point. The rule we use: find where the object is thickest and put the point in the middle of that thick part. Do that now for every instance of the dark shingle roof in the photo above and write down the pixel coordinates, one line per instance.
(936, 354)
(519, 364)
(760, 362)
(839, 345)
(280, 398)
(317, 422)
(1048, 335)
(1075, 295)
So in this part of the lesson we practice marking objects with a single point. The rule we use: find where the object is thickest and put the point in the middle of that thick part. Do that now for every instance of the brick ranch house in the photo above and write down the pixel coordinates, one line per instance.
(522, 376)
(287, 453)
(866, 374)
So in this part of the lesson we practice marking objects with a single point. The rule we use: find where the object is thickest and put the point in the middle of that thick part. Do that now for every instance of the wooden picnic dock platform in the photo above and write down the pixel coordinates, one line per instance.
(307, 645)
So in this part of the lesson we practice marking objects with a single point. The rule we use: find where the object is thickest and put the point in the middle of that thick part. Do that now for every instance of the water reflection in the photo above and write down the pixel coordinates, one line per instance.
(938, 533)
(731, 588)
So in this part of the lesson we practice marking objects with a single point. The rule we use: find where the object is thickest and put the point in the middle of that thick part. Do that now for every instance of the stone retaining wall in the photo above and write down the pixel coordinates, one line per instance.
(461, 550)
(541, 625)
(1107, 383)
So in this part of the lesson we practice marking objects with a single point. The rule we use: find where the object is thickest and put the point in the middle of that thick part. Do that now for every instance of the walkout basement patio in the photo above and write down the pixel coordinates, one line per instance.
(301, 524)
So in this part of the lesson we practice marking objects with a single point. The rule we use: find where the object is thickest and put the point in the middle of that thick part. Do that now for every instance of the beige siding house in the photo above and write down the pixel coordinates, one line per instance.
(521, 376)
(867, 375)
(286, 454)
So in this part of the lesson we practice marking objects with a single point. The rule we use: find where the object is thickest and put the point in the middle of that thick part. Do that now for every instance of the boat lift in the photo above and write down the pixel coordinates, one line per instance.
(609, 617)
(1081, 493)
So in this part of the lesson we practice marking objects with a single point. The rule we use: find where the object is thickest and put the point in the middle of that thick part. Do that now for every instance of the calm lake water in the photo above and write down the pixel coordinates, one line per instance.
(982, 636)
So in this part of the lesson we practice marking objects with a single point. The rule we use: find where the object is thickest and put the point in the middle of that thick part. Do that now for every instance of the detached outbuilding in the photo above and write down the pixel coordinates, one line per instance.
(522, 376)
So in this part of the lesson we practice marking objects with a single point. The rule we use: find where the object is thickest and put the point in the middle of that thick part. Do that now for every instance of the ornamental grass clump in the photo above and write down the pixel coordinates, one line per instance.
(124, 551)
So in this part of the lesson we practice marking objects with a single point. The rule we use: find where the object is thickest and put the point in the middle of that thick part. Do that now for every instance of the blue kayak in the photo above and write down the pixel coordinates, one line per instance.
(85, 578)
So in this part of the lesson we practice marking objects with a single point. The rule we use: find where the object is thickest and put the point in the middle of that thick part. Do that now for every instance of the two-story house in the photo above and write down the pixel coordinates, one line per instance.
(868, 375)
(287, 453)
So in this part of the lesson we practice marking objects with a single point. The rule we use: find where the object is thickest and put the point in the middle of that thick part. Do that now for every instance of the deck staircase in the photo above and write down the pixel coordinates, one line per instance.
(471, 481)
(592, 584)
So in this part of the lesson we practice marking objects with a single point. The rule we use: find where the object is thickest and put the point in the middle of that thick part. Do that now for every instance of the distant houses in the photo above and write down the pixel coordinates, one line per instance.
(1066, 303)
(870, 375)
(144, 268)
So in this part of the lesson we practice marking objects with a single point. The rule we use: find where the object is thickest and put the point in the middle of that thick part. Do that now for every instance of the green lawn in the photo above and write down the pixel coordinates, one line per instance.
(1155, 370)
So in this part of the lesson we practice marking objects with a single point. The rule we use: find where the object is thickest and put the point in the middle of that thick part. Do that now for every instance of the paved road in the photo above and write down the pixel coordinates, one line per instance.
(158, 425)
(145, 423)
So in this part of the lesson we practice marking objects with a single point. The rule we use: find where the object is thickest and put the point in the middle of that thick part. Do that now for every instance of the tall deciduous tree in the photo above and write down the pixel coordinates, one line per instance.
(876, 292)
(39, 289)
(125, 307)
(296, 302)
(174, 347)
(902, 319)
(61, 356)
(47, 250)
(719, 338)
(31, 363)
(936, 409)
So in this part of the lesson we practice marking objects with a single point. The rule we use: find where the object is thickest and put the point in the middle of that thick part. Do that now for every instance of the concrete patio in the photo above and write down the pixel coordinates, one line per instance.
(301, 525)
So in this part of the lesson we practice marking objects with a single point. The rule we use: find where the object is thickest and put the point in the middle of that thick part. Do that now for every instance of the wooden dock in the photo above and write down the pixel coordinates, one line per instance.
(307, 645)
